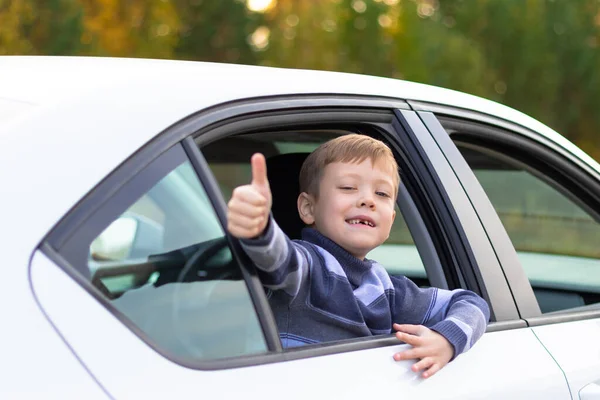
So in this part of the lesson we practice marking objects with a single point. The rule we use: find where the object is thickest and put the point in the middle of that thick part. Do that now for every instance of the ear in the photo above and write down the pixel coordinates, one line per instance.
(305, 208)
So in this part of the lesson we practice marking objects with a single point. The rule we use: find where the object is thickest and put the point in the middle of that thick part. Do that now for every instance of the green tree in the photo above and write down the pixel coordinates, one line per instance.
(544, 55)
(31, 27)
(215, 31)
(133, 28)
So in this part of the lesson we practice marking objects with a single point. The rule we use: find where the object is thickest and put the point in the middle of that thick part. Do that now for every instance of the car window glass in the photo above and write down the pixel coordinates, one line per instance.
(555, 238)
(165, 264)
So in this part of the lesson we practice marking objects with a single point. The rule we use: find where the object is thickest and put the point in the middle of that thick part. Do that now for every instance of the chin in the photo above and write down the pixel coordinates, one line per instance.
(359, 249)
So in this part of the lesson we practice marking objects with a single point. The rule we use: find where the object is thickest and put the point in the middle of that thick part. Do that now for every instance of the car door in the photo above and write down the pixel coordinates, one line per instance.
(548, 199)
(156, 299)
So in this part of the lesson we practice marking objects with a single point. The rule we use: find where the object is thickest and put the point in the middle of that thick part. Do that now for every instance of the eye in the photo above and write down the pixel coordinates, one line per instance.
(382, 194)
(346, 188)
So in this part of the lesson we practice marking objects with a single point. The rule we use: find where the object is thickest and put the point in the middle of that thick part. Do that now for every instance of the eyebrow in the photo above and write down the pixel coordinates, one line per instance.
(377, 180)
(385, 182)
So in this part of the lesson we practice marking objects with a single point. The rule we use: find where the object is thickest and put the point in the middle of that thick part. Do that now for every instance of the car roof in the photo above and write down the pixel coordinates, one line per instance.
(49, 81)
(29, 82)
(66, 122)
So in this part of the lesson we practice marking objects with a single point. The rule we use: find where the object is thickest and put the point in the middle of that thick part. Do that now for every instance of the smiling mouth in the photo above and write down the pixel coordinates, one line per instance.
(357, 221)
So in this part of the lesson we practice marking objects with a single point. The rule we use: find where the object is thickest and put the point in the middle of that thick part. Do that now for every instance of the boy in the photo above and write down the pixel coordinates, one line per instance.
(322, 287)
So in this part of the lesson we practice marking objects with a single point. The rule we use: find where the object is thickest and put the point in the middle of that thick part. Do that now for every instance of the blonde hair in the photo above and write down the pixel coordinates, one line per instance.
(353, 148)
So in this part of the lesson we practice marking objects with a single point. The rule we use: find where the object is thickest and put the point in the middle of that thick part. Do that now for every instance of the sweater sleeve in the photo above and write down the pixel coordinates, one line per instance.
(461, 316)
(281, 263)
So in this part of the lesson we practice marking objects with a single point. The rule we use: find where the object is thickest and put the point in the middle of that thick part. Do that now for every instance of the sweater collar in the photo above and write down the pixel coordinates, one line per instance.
(352, 266)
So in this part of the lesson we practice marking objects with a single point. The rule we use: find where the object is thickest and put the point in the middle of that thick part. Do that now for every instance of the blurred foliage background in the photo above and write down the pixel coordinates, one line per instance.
(538, 56)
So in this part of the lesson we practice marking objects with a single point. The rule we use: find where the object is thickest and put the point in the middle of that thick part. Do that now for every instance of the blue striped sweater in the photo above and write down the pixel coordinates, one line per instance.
(319, 292)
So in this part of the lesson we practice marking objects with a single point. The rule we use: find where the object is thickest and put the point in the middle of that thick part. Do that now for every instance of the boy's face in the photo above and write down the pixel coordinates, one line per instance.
(355, 207)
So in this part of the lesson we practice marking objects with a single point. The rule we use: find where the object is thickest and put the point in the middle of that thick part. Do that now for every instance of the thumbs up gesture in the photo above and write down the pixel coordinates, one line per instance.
(250, 205)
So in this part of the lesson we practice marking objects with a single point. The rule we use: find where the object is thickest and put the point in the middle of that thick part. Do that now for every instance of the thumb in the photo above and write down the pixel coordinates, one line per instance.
(259, 171)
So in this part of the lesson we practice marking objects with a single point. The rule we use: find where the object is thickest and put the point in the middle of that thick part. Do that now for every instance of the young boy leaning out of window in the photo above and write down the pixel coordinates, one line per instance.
(323, 288)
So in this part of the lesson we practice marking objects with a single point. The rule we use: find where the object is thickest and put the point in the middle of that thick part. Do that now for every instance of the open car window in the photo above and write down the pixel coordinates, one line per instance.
(285, 152)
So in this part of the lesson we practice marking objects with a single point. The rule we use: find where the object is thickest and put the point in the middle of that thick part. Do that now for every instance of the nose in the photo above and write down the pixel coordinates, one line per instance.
(366, 200)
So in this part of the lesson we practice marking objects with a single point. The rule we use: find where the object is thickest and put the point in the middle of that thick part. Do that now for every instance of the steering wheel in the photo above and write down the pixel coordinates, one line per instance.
(199, 258)
(194, 263)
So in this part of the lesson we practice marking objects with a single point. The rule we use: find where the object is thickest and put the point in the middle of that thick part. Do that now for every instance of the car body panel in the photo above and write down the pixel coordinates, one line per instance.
(576, 348)
(13, 109)
(100, 339)
(35, 360)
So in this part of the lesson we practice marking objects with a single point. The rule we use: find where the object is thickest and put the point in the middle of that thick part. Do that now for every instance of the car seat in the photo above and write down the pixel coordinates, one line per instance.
(283, 172)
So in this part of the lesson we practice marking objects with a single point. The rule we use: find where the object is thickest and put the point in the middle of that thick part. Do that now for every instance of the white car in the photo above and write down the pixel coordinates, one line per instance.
(119, 280)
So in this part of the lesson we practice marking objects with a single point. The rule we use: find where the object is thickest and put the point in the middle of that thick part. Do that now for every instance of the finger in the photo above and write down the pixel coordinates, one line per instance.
(242, 232)
(409, 339)
(423, 364)
(236, 206)
(244, 221)
(408, 328)
(238, 232)
(431, 371)
(409, 354)
(248, 194)
(259, 170)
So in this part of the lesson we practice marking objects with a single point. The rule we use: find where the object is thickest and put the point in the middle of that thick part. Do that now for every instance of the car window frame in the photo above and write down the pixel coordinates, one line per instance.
(577, 177)
(205, 123)
(480, 264)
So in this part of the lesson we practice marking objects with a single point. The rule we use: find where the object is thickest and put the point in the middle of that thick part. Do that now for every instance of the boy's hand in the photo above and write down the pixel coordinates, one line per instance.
(433, 350)
(250, 205)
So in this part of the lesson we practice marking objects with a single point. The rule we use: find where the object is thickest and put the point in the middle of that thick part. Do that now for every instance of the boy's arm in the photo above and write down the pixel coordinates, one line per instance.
(282, 264)
(461, 316)
(440, 324)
